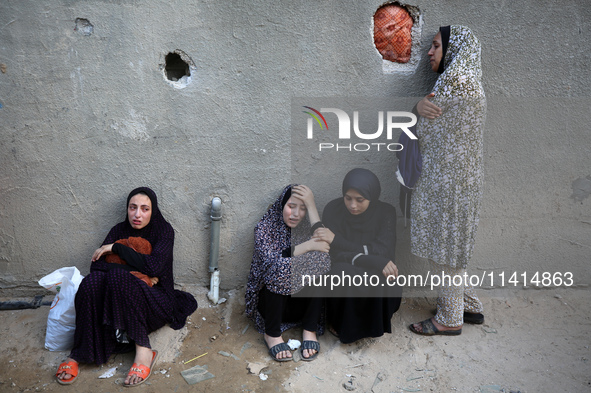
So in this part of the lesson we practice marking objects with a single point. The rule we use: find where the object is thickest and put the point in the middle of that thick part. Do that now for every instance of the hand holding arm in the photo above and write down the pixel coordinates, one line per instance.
(427, 109)
(323, 234)
(311, 245)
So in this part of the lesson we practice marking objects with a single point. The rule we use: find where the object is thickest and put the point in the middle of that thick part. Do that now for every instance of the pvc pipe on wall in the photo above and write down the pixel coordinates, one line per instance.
(216, 216)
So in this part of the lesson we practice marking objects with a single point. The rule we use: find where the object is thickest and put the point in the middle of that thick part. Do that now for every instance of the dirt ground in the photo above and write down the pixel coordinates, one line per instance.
(532, 341)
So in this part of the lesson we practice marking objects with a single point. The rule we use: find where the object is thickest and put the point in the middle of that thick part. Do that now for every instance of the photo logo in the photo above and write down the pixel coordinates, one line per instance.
(392, 122)
(315, 117)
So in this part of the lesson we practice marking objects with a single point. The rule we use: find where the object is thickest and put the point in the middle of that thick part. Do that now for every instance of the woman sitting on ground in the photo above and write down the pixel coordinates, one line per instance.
(361, 231)
(115, 308)
(283, 253)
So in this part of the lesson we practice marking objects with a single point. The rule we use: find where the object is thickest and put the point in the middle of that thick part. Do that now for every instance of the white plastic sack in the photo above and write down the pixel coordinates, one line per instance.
(61, 322)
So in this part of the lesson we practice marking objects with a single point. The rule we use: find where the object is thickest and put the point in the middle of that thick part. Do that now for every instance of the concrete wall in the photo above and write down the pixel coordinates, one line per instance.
(87, 116)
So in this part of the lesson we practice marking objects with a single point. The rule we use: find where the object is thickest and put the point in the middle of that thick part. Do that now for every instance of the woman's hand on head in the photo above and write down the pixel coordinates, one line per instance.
(428, 109)
(390, 270)
(323, 234)
(103, 250)
(304, 193)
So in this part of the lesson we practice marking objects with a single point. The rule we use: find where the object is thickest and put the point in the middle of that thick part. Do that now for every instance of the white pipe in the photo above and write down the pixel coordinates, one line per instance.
(216, 216)
(214, 284)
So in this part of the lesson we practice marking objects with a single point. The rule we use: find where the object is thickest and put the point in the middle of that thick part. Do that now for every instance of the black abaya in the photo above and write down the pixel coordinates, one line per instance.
(363, 245)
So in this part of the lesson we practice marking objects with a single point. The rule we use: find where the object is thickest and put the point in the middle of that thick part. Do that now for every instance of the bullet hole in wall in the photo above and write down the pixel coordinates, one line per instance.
(83, 26)
(178, 68)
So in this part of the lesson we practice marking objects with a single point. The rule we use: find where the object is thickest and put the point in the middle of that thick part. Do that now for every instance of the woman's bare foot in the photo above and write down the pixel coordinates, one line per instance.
(439, 326)
(308, 336)
(143, 356)
(272, 341)
(64, 376)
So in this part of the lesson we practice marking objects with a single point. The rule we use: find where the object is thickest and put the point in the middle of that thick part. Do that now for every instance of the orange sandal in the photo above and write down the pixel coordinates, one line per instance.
(142, 371)
(71, 368)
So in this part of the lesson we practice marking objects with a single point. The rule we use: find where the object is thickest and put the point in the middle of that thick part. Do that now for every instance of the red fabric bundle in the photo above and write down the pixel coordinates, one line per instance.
(139, 245)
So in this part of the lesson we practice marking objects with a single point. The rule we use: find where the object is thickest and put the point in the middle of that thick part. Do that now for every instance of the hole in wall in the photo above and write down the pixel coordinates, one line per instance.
(83, 26)
(177, 68)
(392, 32)
(396, 29)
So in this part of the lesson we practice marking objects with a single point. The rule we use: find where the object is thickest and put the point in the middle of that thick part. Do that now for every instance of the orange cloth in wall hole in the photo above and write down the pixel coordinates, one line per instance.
(392, 33)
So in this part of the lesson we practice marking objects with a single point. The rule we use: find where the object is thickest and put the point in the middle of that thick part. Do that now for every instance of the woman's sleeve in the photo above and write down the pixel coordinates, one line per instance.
(161, 257)
(101, 264)
(274, 266)
(129, 255)
(339, 244)
(385, 241)
(372, 262)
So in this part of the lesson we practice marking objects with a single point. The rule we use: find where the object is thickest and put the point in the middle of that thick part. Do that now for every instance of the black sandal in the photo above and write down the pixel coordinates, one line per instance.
(308, 344)
(469, 317)
(428, 329)
(473, 318)
(273, 351)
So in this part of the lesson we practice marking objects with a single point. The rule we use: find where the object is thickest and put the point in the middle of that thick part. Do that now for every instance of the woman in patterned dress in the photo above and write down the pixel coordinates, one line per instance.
(446, 201)
(115, 310)
(284, 252)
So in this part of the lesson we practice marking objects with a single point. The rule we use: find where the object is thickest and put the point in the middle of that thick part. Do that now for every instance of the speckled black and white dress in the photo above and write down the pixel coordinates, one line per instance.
(272, 270)
(446, 201)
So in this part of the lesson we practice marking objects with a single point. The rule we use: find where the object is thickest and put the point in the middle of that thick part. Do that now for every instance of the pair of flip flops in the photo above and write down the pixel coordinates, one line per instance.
(428, 329)
(307, 344)
(139, 370)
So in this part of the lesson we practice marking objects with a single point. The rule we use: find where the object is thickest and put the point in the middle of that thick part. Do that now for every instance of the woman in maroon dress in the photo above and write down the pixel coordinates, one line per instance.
(115, 310)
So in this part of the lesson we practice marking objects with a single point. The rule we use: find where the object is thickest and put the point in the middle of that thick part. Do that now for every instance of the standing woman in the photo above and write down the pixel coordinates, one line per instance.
(284, 252)
(361, 231)
(114, 307)
(446, 201)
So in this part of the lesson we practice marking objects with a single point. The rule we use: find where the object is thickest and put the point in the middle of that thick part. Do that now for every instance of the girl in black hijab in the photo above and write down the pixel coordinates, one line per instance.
(114, 308)
(361, 231)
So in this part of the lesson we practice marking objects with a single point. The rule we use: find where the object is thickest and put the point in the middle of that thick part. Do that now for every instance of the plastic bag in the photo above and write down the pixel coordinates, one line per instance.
(61, 322)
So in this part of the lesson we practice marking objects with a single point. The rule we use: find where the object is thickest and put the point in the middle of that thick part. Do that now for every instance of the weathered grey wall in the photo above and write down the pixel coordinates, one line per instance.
(85, 119)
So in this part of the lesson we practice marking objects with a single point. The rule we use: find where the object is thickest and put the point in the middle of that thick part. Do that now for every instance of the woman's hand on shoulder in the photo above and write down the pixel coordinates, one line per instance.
(428, 109)
(323, 234)
(390, 270)
(103, 250)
